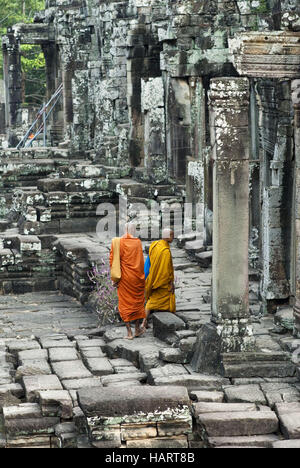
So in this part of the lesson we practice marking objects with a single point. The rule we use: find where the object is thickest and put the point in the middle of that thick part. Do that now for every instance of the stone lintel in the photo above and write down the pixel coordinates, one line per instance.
(268, 54)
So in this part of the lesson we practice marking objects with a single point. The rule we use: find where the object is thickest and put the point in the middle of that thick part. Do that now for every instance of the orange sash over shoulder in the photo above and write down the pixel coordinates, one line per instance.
(115, 271)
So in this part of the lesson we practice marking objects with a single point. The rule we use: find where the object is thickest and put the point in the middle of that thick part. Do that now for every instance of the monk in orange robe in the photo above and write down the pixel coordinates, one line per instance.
(127, 272)
(160, 288)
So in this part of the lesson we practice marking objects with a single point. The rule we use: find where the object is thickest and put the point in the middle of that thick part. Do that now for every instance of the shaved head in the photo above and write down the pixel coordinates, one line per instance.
(168, 235)
(130, 228)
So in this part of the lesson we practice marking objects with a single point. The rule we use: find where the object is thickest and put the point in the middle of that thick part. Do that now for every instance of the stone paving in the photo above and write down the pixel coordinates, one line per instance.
(51, 350)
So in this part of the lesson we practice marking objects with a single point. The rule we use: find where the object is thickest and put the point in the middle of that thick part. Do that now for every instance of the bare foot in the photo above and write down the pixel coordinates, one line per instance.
(139, 332)
(128, 337)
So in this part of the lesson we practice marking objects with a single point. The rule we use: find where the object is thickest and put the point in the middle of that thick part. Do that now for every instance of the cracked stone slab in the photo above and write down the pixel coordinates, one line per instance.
(71, 370)
(91, 353)
(37, 383)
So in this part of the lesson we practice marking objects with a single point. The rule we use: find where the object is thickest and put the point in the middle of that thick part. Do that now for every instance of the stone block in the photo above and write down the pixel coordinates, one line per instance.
(60, 398)
(62, 354)
(206, 396)
(138, 431)
(34, 384)
(99, 366)
(109, 402)
(22, 411)
(239, 423)
(76, 384)
(290, 444)
(21, 345)
(113, 379)
(159, 443)
(204, 407)
(14, 389)
(290, 425)
(193, 382)
(35, 367)
(50, 343)
(19, 427)
(173, 355)
(71, 370)
(266, 441)
(32, 355)
(173, 428)
(166, 323)
(286, 408)
(245, 393)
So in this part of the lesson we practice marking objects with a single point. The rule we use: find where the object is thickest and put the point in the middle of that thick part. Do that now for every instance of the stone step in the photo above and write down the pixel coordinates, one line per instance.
(245, 423)
(72, 185)
(267, 441)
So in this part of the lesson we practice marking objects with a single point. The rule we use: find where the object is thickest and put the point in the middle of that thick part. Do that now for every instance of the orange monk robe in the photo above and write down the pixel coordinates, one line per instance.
(161, 274)
(131, 287)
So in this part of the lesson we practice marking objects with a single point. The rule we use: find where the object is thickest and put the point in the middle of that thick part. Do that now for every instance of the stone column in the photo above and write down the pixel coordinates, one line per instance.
(296, 103)
(13, 82)
(230, 331)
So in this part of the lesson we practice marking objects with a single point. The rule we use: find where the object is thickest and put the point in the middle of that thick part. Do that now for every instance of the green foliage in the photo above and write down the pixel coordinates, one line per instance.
(32, 58)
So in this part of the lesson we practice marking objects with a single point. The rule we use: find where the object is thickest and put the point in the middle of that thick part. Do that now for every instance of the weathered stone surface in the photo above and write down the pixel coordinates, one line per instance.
(206, 396)
(255, 441)
(285, 318)
(285, 408)
(71, 370)
(50, 343)
(60, 398)
(159, 443)
(222, 407)
(290, 444)
(290, 425)
(28, 426)
(166, 323)
(245, 393)
(193, 382)
(32, 355)
(62, 354)
(239, 424)
(22, 411)
(173, 355)
(14, 388)
(35, 384)
(138, 431)
(99, 366)
(115, 378)
(16, 346)
(76, 384)
(109, 402)
(33, 368)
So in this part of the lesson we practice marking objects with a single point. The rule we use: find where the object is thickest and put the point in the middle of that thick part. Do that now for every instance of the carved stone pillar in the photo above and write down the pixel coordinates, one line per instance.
(230, 330)
(296, 103)
(13, 82)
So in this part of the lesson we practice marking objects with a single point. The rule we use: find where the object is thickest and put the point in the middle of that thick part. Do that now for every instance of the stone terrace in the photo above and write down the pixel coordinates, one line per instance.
(61, 377)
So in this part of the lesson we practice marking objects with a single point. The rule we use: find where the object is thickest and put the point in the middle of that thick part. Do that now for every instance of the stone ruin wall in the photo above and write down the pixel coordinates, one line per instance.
(136, 78)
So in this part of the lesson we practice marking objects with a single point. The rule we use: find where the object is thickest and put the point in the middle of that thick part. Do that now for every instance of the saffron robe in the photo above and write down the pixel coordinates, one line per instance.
(131, 287)
(158, 289)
